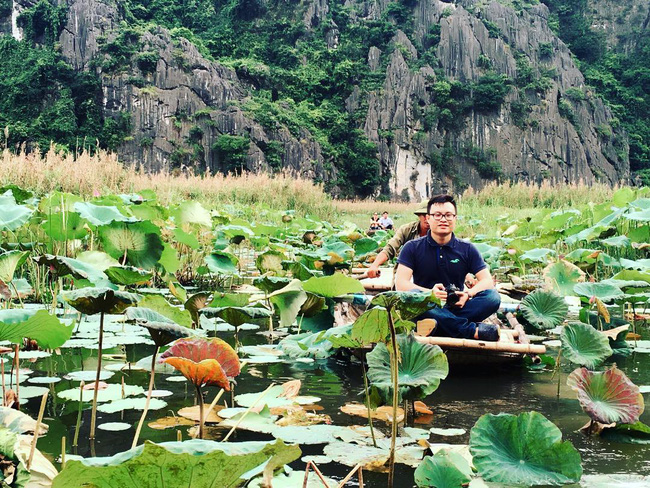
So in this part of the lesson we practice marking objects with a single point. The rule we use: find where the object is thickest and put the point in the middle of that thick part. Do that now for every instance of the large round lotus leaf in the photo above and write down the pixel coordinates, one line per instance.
(371, 327)
(46, 329)
(139, 242)
(421, 368)
(230, 300)
(65, 226)
(288, 301)
(131, 404)
(333, 286)
(560, 277)
(163, 333)
(618, 241)
(128, 275)
(220, 262)
(607, 396)
(100, 300)
(191, 213)
(544, 309)
(636, 433)
(108, 394)
(13, 216)
(270, 261)
(537, 255)
(639, 216)
(584, 345)
(101, 214)
(160, 305)
(365, 246)
(237, 316)
(63, 266)
(271, 283)
(9, 261)
(603, 291)
(97, 259)
(295, 479)
(306, 345)
(408, 304)
(526, 449)
(204, 361)
(443, 470)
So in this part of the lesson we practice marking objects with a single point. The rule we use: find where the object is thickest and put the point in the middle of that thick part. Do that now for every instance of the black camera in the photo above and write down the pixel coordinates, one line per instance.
(452, 295)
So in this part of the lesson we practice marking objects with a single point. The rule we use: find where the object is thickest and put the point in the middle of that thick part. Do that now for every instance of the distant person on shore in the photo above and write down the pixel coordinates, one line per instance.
(374, 222)
(403, 234)
(386, 222)
(438, 261)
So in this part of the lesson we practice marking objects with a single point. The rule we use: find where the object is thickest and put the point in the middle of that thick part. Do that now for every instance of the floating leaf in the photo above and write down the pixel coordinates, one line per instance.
(443, 470)
(526, 449)
(131, 404)
(421, 368)
(544, 309)
(204, 361)
(333, 286)
(584, 345)
(636, 433)
(608, 396)
(604, 291)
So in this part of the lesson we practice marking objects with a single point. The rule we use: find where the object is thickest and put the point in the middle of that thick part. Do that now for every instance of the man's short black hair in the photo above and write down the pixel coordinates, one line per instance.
(384, 212)
(442, 199)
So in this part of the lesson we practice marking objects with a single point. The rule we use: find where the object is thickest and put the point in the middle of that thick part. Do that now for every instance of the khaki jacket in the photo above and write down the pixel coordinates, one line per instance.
(405, 233)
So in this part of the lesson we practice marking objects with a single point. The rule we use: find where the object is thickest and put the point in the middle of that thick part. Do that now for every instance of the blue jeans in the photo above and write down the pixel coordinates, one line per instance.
(462, 322)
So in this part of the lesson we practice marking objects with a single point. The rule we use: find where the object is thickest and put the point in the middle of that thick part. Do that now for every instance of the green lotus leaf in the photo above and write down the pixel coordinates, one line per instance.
(607, 396)
(122, 404)
(110, 393)
(619, 344)
(538, 255)
(618, 241)
(229, 300)
(186, 238)
(134, 243)
(639, 234)
(561, 276)
(13, 216)
(313, 305)
(58, 202)
(63, 266)
(196, 302)
(408, 304)
(307, 345)
(365, 246)
(270, 261)
(636, 433)
(100, 300)
(9, 262)
(445, 469)
(602, 291)
(525, 449)
(333, 286)
(142, 314)
(46, 329)
(169, 259)
(490, 254)
(191, 213)
(584, 345)
(101, 214)
(288, 301)
(14, 193)
(371, 327)
(634, 275)
(128, 275)
(544, 309)
(162, 329)
(237, 316)
(638, 216)
(623, 196)
(421, 368)
(65, 226)
(559, 220)
(156, 466)
(298, 270)
(222, 263)
(271, 283)
(159, 304)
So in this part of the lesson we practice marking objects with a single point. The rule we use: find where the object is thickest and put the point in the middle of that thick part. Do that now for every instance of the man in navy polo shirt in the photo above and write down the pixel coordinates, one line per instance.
(438, 260)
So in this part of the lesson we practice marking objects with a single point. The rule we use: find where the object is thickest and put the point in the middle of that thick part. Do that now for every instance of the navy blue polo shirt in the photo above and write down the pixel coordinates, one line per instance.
(432, 263)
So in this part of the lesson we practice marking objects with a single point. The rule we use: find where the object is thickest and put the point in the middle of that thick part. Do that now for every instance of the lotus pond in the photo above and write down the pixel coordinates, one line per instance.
(250, 313)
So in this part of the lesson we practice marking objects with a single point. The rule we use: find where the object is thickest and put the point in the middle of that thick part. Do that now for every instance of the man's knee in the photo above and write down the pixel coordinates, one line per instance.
(490, 299)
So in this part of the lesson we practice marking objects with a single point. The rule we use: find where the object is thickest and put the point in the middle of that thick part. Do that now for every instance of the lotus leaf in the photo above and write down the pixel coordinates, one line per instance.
(65, 226)
(134, 243)
(640, 276)
(204, 361)
(271, 283)
(128, 275)
(333, 286)
(289, 301)
(636, 433)
(607, 396)
(100, 300)
(584, 345)
(222, 263)
(101, 214)
(544, 309)
(526, 449)
(186, 238)
(538, 255)
(618, 241)
(369, 457)
(46, 329)
(561, 276)
(163, 333)
(270, 261)
(160, 305)
(365, 246)
(13, 216)
(421, 368)
(443, 470)
(306, 345)
(229, 300)
(63, 266)
(131, 404)
(191, 213)
(296, 478)
(108, 394)
(237, 316)
(371, 327)
(408, 304)
(155, 466)
(604, 291)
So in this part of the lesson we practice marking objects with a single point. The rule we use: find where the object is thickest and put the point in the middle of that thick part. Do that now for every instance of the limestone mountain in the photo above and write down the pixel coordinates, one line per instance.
(370, 97)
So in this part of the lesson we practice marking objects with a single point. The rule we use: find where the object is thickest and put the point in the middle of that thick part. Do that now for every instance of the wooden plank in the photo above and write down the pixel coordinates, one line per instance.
(501, 346)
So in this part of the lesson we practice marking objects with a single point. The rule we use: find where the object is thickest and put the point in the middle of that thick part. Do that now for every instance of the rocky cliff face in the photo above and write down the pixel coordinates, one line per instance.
(621, 22)
(548, 125)
(179, 102)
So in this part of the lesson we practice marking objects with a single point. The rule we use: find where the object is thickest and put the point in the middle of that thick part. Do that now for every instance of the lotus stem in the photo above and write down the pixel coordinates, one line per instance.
(394, 373)
(62, 452)
(247, 412)
(201, 418)
(312, 465)
(365, 386)
(559, 370)
(75, 441)
(39, 420)
(214, 402)
(17, 368)
(146, 404)
(93, 416)
(350, 475)
(2, 373)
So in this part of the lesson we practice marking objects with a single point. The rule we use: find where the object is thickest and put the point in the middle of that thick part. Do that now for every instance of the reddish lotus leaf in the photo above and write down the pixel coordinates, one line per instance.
(608, 396)
(204, 361)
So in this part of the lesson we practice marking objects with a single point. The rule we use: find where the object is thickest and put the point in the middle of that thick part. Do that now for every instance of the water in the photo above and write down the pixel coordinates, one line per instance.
(460, 400)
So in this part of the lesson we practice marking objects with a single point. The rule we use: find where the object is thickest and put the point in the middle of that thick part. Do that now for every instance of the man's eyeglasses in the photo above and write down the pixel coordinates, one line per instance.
(439, 215)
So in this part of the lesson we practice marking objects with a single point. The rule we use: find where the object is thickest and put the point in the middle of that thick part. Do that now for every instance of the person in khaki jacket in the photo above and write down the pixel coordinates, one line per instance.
(405, 233)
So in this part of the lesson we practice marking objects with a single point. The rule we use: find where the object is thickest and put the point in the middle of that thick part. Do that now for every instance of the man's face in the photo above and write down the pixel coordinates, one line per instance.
(424, 223)
(385, 214)
(443, 225)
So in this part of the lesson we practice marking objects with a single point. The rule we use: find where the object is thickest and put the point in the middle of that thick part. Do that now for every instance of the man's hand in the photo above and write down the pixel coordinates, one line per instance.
(463, 297)
(373, 272)
(439, 291)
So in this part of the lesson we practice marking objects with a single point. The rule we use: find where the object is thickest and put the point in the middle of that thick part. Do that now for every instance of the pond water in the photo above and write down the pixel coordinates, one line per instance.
(460, 400)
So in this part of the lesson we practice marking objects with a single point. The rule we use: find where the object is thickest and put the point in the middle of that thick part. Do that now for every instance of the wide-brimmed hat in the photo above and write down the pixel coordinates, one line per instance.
(424, 208)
